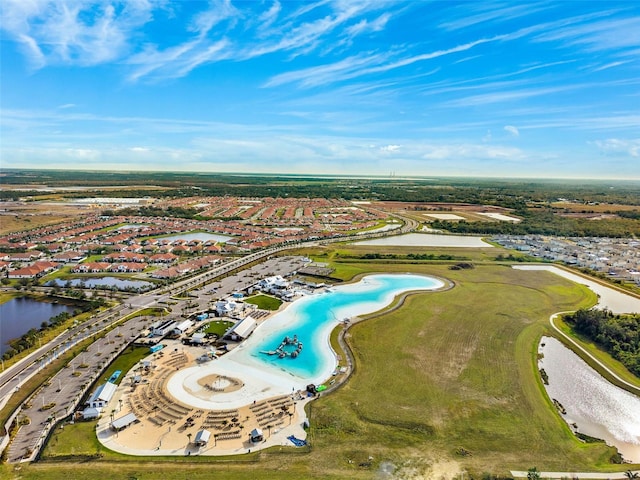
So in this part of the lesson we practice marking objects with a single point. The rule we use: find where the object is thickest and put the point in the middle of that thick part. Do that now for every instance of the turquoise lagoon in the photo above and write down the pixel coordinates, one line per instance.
(313, 317)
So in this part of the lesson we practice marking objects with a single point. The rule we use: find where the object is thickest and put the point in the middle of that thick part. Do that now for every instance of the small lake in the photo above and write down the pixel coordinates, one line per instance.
(597, 407)
(202, 236)
(19, 315)
(428, 240)
(93, 282)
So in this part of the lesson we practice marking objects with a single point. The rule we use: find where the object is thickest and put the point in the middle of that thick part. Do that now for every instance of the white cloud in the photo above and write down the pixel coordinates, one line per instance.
(267, 18)
(79, 33)
(512, 130)
(364, 26)
(616, 146)
(357, 66)
(389, 148)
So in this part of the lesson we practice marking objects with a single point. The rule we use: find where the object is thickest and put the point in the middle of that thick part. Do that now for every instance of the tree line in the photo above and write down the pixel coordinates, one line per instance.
(619, 335)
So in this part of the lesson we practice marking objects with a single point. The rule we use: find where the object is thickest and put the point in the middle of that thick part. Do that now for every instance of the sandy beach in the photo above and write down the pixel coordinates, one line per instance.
(174, 396)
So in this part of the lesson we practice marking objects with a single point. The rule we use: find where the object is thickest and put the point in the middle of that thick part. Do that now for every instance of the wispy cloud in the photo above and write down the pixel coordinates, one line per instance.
(354, 67)
(617, 146)
(512, 130)
(83, 33)
(490, 13)
(505, 96)
(594, 36)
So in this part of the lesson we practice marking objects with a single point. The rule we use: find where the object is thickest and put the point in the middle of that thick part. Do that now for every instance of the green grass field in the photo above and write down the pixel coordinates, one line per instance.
(444, 374)
(219, 327)
(264, 302)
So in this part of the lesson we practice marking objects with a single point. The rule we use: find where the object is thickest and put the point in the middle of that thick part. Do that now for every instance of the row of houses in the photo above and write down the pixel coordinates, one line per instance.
(99, 267)
(616, 257)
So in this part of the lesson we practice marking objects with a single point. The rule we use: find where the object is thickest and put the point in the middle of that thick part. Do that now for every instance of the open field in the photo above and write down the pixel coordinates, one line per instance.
(446, 371)
(20, 216)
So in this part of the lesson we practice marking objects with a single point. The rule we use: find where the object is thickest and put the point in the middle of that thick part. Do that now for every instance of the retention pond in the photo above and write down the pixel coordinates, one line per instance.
(592, 405)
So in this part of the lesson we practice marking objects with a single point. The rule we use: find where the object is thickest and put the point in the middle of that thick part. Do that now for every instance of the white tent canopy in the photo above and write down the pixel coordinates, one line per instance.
(202, 437)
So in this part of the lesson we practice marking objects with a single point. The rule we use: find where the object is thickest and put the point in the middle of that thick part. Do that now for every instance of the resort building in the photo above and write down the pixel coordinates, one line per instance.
(182, 327)
(225, 307)
(102, 395)
(274, 284)
(243, 329)
(163, 328)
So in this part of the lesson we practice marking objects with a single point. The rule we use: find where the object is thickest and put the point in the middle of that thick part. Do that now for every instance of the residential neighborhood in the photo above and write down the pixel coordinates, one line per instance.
(619, 258)
(139, 244)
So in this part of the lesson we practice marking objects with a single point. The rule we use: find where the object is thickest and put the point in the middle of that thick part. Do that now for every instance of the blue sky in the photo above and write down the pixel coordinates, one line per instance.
(508, 89)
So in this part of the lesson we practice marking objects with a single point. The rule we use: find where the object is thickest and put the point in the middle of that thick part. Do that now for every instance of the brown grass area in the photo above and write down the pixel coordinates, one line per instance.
(21, 216)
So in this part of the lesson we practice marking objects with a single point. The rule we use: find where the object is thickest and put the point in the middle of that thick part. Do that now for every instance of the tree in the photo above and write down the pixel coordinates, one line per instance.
(533, 474)
(630, 475)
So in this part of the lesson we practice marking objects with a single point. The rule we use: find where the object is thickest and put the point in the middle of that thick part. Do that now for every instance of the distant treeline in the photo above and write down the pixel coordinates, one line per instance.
(617, 334)
(510, 193)
(546, 222)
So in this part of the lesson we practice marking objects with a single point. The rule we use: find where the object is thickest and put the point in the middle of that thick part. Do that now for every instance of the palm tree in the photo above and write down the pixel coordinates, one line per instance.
(630, 475)
(533, 474)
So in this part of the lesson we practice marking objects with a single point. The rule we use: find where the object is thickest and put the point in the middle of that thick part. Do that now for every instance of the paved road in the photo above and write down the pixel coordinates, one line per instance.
(580, 475)
(13, 377)
(67, 388)
(630, 386)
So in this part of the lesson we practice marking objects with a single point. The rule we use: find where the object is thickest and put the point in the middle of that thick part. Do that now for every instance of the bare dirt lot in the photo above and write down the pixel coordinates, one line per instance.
(20, 216)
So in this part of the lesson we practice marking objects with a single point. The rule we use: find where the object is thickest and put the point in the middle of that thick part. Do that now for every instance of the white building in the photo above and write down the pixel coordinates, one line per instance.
(198, 338)
(164, 328)
(242, 329)
(102, 395)
(273, 284)
(182, 327)
(225, 307)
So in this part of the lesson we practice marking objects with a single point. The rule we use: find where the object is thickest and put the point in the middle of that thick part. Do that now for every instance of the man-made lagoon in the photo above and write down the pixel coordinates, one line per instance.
(597, 407)
(311, 319)
(19, 315)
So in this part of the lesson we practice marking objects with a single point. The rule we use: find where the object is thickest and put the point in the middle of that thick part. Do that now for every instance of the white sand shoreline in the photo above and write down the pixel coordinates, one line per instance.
(263, 381)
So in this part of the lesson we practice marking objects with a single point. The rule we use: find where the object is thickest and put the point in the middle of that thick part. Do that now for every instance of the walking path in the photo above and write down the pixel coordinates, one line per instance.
(580, 475)
(615, 301)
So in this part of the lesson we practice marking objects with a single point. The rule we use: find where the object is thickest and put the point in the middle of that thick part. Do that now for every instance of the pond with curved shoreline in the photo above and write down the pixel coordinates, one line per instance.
(19, 315)
(105, 282)
(596, 407)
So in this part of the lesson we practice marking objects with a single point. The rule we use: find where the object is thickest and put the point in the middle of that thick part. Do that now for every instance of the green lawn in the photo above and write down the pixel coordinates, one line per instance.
(264, 302)
(218, 327)
(124, 363)
(444, 371)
